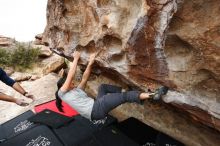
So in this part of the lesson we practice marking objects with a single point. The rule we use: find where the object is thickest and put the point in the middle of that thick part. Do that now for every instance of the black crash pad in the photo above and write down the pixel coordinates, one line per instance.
(165, 140)
(77, 131)
(107, 121)
(36, 136)
(16, 125)
(138, 131)
(2, 134)
(50, 118)
(109, 136)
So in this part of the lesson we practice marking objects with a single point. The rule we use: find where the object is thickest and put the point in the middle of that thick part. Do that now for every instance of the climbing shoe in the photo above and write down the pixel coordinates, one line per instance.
(160, 92)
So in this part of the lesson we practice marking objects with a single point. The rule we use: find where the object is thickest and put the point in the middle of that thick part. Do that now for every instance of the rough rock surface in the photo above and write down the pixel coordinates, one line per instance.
(46, 65)
(193, 57)
(137, 47)
(44, 51)
(38, 39)
(42, 89)
(6, 41)
(51, 64)
(19, 76)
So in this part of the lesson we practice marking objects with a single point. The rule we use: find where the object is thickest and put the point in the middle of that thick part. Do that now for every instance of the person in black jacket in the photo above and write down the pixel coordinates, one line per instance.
(10, 82)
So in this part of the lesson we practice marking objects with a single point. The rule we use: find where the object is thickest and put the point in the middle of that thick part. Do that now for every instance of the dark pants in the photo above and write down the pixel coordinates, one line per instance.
(5, 78)
(109, 97)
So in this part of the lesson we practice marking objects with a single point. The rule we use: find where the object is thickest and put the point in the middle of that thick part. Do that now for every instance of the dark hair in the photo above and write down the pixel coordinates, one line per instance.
(58, 100)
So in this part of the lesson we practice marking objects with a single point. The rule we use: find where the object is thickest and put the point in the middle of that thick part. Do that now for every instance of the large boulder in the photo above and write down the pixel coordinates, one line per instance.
(52, 64)
(19, 76)
(38, 39)
(47, 65)
(193, 58)
(6, 41)
(137, 48)
(44, 51)
(128, 34)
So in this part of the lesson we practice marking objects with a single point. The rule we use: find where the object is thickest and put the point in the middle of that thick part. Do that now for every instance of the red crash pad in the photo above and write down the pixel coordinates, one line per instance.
(51, 105)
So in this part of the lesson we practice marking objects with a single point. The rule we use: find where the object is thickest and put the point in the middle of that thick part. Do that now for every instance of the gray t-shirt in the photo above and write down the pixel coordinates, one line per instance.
(78, 100)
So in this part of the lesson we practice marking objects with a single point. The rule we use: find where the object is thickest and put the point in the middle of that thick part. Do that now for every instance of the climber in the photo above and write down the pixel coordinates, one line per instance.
(108, 97)
(10, 82)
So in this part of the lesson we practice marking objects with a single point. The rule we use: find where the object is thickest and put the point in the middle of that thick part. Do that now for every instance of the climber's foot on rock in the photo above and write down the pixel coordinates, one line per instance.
(160, 92)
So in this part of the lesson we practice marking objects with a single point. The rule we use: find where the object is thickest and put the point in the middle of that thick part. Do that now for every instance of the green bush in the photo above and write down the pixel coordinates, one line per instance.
(4, 57)
(21, 58)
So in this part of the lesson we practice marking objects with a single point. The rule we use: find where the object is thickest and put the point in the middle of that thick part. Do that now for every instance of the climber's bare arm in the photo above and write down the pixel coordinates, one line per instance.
(8, 98)
(87, 72)
(71, 73)
(19, 89)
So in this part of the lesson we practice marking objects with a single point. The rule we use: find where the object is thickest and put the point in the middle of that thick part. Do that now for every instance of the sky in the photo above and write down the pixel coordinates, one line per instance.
(22, 19)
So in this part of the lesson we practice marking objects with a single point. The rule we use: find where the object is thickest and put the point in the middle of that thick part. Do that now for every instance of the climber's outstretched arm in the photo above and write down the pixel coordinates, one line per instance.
(87, 72)
(71, 73)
